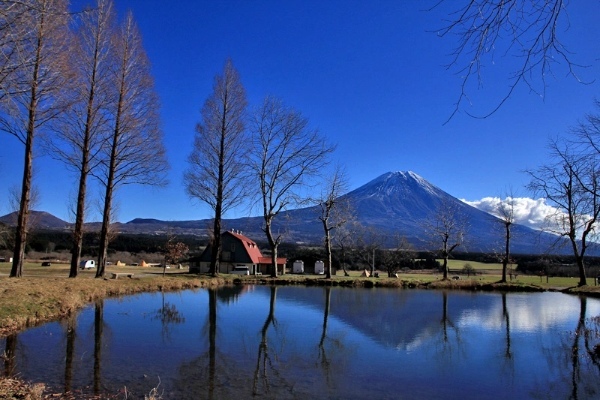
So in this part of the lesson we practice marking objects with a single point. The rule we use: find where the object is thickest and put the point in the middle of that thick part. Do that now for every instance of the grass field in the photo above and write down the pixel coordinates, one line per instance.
(486, 273)
(32, 269)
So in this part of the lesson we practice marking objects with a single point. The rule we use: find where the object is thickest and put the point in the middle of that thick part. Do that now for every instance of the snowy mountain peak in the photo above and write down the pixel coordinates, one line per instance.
(399, 182)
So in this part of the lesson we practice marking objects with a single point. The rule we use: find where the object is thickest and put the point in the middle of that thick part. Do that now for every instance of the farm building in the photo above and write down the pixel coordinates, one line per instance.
(237, 251)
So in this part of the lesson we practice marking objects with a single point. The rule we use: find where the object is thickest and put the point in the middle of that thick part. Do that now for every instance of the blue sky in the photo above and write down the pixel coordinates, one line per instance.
(370, 75)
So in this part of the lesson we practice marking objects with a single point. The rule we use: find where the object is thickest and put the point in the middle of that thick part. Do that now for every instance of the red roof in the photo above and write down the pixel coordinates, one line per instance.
(267, 260)
(250, 246)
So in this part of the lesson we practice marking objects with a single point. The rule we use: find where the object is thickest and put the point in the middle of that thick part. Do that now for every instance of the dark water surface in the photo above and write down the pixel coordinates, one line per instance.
(339, 343)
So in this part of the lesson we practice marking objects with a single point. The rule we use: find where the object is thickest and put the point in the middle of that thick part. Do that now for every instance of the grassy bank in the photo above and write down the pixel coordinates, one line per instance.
(45, 293)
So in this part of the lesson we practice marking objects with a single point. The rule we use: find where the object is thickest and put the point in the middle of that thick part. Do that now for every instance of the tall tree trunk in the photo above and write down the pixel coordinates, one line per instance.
(79, 220)
(85, 165)
(104, 233)
(581, 268)
(110, 184)
(506, 253)
(445, 268)
(215, 254)
(23, 217)
(106, 215)
(273, 244)
(327, 249)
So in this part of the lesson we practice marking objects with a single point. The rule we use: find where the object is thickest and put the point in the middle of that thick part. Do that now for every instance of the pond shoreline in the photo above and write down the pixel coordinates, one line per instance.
(30, 301)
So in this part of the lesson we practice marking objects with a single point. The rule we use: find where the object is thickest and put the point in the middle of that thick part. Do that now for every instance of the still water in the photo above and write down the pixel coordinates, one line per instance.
(338, 343)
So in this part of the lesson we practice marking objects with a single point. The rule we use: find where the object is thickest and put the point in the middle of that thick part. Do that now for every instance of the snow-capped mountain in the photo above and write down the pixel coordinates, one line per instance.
(396, 203)
(405, 203)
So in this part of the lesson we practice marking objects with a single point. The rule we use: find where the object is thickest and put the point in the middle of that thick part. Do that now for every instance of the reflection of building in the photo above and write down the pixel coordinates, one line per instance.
(237, 252)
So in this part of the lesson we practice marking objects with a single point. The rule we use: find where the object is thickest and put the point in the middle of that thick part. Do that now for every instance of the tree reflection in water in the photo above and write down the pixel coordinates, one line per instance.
(267, 367)
(449, 329)
(168, 315)
(577, 364)
(340, 353)
(291, 342)
(207, 374)
(9, 355)
(71, 335)
(98, 335)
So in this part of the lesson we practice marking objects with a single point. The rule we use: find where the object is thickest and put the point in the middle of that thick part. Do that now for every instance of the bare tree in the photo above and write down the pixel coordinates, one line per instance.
(367, 242)
(15, 23)
(345, 241)
(135, 153)
(400, 256)
(83, 127)
(35, 87)
(506, 212)
(334, 210)
(287, 153)
(447, 226)
(572, 186)
(526, 30)
(216, 164)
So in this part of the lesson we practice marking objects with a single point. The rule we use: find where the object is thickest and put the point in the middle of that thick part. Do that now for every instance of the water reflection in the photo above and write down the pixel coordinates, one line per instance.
(98, 335)
(168, 315)
(71, 335)
(264, 362)
(10, 350)
(291, 342)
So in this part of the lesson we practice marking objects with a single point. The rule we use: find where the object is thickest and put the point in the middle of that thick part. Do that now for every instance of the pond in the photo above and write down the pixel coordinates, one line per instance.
(317, 342)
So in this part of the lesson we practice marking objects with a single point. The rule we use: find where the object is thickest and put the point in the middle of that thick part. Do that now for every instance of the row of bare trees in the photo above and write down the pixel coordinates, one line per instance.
(270, 150)
(83, 81)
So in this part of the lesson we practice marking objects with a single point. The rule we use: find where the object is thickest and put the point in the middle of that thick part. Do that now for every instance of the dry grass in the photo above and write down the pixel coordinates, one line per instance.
(46, 293)
(16, 389)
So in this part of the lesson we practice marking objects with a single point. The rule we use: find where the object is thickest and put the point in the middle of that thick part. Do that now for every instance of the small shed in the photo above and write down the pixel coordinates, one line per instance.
(87, 264)
(319, 267)
(298, 267)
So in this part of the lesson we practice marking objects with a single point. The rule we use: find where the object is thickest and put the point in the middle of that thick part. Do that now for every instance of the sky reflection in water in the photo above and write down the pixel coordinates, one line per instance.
(296, 342)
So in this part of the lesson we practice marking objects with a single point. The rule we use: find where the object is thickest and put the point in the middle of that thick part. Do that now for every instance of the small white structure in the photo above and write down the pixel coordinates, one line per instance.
(319, 267)
(298, 267)
(87, 264)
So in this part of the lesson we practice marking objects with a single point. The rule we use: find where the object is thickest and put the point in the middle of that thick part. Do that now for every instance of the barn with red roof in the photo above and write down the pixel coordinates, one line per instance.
(238, 251)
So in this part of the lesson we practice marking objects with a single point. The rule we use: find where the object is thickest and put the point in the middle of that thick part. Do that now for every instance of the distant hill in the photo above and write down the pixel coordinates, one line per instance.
(396, 203)
(39, 219)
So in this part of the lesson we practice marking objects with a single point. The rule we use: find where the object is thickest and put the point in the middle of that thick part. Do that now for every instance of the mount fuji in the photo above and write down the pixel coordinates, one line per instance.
(395, 204)
(405, 204)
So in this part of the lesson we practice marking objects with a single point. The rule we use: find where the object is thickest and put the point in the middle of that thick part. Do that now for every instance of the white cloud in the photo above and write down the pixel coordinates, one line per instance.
(533, 213)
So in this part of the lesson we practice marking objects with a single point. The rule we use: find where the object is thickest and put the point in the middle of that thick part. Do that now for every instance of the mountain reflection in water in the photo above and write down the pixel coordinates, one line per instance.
(319, 342)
